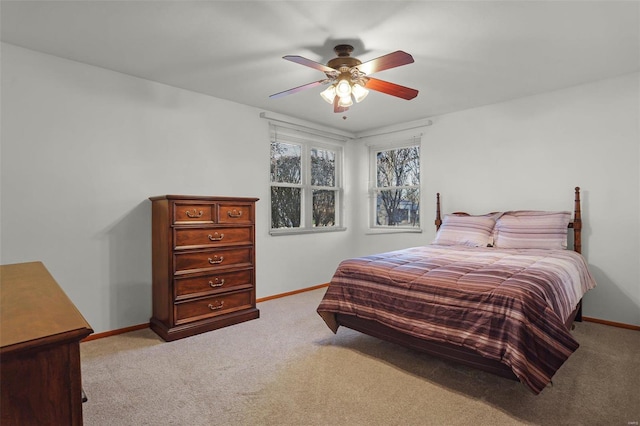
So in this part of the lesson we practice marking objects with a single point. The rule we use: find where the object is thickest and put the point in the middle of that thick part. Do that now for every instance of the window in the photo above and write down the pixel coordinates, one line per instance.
(395, 191)
(306, 192)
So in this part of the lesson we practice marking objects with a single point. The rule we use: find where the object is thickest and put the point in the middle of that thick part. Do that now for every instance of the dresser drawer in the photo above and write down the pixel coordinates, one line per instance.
(196, 261)
(186, 238)
(188, 287)
(184, 213)
(235, 213)
(212, 306)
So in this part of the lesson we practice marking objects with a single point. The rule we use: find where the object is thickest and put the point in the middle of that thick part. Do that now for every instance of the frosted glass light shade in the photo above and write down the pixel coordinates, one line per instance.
(359, 92)
(343, 88)
(329, 94)
(345, 101)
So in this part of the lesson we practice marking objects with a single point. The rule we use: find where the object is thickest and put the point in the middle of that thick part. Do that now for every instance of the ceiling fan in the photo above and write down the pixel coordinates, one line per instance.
(348, 77)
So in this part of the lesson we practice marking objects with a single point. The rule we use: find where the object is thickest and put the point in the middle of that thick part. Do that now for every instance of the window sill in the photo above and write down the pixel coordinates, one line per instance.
(377, 231)
(320, 230)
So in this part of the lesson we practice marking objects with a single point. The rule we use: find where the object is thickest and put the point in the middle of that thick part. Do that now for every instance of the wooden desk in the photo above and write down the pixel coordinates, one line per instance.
(40, 333)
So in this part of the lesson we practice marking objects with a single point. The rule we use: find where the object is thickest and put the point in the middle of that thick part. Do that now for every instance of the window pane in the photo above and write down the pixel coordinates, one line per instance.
(398, 207)
(398, 167)
(285, 162)
(285, 207)
(324, 208)
(323, 167)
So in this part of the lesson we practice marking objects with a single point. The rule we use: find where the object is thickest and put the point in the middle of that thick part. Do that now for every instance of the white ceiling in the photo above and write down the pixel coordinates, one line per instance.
(467, 53)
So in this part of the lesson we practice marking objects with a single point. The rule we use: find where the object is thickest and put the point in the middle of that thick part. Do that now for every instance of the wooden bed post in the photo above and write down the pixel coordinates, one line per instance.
(438, 221)
(577, 241)
(577, 223)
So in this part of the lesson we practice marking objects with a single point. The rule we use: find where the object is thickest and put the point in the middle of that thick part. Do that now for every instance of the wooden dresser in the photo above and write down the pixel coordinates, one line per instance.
(40, 333)
(203, 256)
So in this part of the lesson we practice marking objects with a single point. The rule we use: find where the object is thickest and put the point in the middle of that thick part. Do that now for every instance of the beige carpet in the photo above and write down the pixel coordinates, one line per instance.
(287, 368)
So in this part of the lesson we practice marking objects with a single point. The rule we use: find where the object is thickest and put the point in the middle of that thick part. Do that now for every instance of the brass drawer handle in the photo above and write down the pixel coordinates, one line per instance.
(219, 283)
(195, 213)
(216, 307)
(216, 259)
(216, 237)
(234, 213)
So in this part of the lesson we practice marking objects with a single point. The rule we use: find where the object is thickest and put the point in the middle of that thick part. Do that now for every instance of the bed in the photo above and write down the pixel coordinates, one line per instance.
(498, 292)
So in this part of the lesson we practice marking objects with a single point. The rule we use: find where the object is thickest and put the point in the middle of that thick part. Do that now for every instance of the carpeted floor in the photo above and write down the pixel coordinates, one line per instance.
(287, 368)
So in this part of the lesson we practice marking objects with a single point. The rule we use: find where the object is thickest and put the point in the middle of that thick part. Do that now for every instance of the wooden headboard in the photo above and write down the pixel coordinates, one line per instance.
(575, 224)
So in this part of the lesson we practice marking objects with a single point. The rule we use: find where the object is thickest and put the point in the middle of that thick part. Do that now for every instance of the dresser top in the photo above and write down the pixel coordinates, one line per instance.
(34, 307)
(203, 198)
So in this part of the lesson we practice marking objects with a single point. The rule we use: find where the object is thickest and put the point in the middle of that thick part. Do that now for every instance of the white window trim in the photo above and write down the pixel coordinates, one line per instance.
(373, 169)
(308, 139)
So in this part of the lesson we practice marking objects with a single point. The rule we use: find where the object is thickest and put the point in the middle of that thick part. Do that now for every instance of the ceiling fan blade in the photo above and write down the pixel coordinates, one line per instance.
(392, 60)
(299, 88)
(338, 108)
(391, 89)
(308, 62)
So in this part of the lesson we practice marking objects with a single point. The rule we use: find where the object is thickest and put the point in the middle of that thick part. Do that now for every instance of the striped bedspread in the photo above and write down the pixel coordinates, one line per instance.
(509, 305)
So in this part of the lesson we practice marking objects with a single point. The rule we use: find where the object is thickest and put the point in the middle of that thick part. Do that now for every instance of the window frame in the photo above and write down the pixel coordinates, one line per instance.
(309, 140)
(374, 189)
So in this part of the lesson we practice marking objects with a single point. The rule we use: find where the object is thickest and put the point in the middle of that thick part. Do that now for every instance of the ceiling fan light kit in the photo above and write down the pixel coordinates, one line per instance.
(348, 77)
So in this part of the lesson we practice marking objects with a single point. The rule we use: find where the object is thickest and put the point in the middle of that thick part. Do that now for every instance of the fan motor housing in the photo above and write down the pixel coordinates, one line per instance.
(348, 62)
(343, 60)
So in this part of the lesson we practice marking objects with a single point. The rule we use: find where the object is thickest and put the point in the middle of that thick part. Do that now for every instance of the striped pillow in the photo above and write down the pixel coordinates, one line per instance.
(474, 231)
(532, 229)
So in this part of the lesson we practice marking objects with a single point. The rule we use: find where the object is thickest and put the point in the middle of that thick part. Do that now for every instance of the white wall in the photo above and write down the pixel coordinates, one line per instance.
(530, 153)
(82, 150)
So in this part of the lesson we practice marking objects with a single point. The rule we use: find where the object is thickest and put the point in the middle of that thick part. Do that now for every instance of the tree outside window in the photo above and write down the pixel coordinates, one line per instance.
(323, 183)
(397, 187)
(286, 185)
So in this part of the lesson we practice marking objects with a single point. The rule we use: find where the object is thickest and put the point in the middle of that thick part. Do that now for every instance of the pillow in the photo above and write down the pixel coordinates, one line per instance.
(493, 215)
(474, 231)
(532, 229)
(494, 233)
